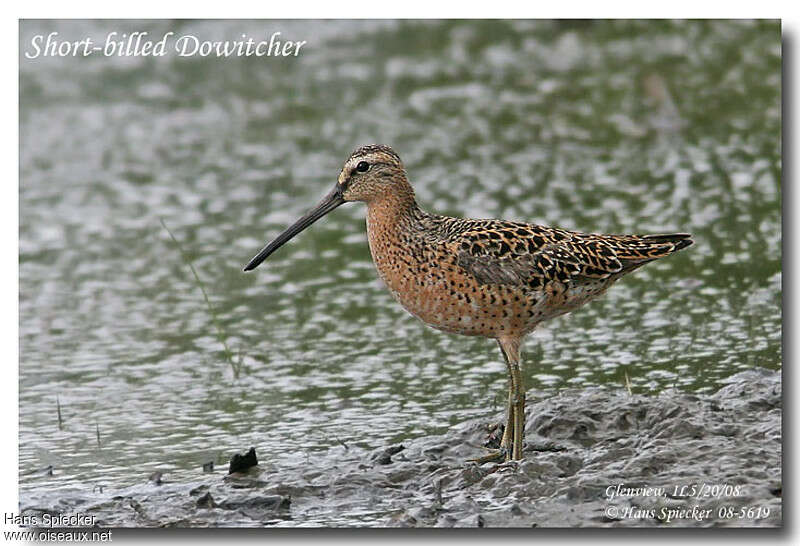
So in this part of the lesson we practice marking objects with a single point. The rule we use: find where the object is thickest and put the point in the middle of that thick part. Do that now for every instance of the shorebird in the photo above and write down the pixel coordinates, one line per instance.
(492, 278)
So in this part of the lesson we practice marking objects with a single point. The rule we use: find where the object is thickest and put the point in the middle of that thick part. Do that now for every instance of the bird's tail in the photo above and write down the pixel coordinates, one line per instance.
(634, 251)
(677, 240)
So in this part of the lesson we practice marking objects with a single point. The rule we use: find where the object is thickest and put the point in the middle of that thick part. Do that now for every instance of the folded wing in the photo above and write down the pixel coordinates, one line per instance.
(530, 257)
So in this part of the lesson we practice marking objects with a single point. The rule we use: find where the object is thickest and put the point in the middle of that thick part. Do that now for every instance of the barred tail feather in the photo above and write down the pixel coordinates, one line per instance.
(647, 248)
(678, 240)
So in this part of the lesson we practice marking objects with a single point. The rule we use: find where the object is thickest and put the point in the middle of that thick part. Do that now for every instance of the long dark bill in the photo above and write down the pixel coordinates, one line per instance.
(328, 203)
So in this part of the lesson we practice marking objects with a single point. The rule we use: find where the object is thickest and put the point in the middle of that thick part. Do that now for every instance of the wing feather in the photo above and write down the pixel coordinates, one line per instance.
(530, 257)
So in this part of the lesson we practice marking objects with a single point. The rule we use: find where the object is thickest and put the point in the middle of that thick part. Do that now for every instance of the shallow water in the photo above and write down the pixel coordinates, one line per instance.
(582, 447)
(607, 126)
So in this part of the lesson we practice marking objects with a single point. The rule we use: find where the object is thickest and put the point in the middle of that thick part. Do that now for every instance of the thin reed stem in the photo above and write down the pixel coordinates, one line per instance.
(236, 364)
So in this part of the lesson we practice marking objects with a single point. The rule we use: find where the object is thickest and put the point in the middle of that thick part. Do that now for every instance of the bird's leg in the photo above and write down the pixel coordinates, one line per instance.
(506, 444)
(508, 431)
(510, 347)
(501, 455)
(519, 414)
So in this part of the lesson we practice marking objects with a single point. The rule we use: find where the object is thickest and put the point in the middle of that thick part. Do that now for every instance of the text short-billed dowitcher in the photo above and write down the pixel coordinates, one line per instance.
(491, 278)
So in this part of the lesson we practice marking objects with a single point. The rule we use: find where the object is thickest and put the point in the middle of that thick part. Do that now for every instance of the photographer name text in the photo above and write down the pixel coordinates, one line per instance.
(141, 44)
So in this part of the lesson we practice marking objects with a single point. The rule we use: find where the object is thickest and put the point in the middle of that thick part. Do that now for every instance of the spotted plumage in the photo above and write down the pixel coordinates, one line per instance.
(491, 278)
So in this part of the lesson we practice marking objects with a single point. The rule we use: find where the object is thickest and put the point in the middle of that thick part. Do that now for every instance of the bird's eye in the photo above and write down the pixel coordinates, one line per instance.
(362, 166)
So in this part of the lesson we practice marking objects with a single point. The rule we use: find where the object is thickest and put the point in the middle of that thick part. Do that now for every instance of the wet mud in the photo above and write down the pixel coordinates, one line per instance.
(595, 457)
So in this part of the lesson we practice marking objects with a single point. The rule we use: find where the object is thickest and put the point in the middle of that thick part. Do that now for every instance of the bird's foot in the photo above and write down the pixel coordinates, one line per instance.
(494, 456)
(507, 466)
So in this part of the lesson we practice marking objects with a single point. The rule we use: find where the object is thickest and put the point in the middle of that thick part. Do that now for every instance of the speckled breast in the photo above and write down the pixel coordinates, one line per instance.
(425, 278)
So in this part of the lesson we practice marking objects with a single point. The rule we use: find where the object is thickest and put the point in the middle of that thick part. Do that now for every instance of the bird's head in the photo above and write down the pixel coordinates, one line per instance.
(370, 173)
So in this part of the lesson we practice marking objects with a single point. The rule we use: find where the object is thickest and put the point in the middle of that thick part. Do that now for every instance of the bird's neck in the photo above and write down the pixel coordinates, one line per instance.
(393, 209)
(393, 222)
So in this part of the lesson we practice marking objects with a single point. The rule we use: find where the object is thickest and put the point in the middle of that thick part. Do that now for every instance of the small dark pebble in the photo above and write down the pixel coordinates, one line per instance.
(385, 457)
(240, 463)
(495, 436)
(391, 450)
(208, 467)
(266, 502)
(197, 490)
(206, 501)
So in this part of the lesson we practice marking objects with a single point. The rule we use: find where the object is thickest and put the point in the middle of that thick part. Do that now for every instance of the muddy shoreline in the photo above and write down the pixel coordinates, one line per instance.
(594, 457)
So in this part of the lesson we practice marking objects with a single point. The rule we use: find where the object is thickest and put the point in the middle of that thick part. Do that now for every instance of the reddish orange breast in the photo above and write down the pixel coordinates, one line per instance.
(427, 281)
